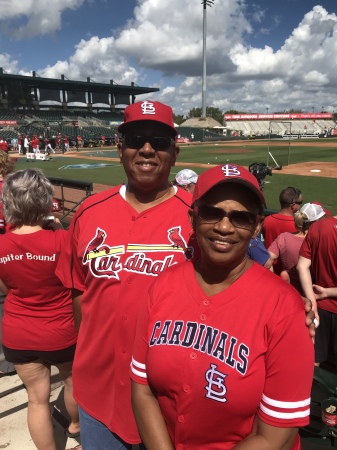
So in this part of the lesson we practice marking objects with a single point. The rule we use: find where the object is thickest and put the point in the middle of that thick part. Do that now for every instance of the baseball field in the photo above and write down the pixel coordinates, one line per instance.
(309, 165)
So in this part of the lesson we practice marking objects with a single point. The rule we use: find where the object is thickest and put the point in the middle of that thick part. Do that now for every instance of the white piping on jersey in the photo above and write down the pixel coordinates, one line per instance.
(285, 405)
(141, 374)
(281, 415)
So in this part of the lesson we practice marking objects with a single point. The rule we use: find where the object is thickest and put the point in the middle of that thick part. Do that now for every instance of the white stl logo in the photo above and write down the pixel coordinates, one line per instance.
(230, 171)
(216, 389)
(148, 108)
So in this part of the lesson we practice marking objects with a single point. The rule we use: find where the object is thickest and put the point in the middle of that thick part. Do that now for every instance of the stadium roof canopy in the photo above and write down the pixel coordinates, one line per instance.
(82, 86)
(35, 82)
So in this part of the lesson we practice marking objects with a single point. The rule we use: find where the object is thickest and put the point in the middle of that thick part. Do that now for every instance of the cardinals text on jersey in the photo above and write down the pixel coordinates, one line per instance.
(106, 261)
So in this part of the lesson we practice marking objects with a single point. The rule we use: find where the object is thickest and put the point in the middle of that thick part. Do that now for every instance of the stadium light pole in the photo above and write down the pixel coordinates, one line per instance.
(205, 3)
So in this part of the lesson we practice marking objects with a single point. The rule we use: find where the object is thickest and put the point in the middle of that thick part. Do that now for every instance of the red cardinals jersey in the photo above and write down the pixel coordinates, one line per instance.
(38, 310)
(112, 255)
(215, 362)
(320, 246)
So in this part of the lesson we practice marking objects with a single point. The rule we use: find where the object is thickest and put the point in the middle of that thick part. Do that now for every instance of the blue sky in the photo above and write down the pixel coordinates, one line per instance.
(260, 53)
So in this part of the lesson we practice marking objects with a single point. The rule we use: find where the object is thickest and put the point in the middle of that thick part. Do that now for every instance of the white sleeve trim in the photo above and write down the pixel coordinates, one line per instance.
(281, 415)
(138, 364)
(285, 405)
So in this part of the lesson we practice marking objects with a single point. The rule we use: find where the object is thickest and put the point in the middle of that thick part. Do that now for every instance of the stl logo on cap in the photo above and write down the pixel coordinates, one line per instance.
(230, 171)
(148, 108)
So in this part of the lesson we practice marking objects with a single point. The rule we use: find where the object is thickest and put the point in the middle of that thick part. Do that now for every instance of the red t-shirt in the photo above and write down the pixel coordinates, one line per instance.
(273, 226)
(113, 254)
(38, 309)
(215, 362)
(320, 246)
(34, 143)
(287, 248)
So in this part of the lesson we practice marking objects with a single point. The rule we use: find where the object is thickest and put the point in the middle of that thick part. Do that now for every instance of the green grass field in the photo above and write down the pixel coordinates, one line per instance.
(243, 153)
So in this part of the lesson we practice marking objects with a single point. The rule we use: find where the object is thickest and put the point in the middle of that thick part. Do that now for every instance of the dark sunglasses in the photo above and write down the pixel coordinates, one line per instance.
(240, 219)
(156, 142)
(297, 194)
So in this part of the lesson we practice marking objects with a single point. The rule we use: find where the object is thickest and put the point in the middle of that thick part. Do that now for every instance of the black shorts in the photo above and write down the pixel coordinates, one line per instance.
(51, 358)
(326, 336)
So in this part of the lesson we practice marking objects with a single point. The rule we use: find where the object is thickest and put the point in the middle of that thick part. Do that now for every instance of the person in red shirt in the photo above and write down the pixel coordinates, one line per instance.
(35, 143)
(275, 224)
(109, 262)
(3, 145)
(318, 255)
(66, 143)
(78, 142)
(20, 143)
(214, 364)
(38, 327)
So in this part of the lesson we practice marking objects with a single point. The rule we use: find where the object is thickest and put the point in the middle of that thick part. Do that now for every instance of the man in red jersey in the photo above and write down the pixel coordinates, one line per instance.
(119, 242)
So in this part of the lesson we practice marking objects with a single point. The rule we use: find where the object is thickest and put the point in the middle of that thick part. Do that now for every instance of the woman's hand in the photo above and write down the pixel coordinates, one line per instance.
(52, 224)
(320, 292)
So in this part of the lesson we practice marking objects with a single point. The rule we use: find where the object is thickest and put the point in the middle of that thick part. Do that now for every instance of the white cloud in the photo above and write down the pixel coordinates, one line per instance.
(40, 17)
(95, 58)
(161, 46)
(10, 65)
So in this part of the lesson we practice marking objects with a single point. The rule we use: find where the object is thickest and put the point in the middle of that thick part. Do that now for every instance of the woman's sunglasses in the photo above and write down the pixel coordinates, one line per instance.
(156, 142)
(240, 219)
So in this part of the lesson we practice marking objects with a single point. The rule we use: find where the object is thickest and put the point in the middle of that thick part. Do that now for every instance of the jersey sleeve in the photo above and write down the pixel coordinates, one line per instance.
(70, 268)
(286, 396)
(138, 363)
(305, 249)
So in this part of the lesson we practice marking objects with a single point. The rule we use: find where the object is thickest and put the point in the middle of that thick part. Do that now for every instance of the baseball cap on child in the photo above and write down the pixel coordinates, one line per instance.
(148, 110)
(186, 177)
(225, 174)
(312, 211)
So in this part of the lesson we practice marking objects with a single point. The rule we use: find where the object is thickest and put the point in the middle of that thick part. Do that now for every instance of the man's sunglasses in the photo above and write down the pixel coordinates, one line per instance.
(156, 142)
(240, 219)
(297, 194)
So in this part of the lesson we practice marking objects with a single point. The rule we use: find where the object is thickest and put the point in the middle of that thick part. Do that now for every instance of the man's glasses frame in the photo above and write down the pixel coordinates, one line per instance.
(157, 142)
(297, 193)
(240, 219)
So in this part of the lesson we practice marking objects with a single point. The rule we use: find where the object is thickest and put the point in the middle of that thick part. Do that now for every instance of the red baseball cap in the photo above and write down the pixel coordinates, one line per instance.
(225, 174)
(148, 110)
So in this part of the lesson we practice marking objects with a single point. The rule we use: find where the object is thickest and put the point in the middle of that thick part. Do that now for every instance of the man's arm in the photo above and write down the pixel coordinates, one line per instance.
(77, 310)
(150, 422)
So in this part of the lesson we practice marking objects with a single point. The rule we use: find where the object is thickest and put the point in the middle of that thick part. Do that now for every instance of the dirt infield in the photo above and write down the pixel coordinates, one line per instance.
(311, 168)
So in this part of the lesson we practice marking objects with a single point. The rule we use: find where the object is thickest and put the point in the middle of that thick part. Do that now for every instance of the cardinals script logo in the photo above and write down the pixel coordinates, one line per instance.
(104, 261)
(147, 259)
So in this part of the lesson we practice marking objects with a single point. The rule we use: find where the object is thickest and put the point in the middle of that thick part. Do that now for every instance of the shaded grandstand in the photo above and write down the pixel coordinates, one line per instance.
(49, 107)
